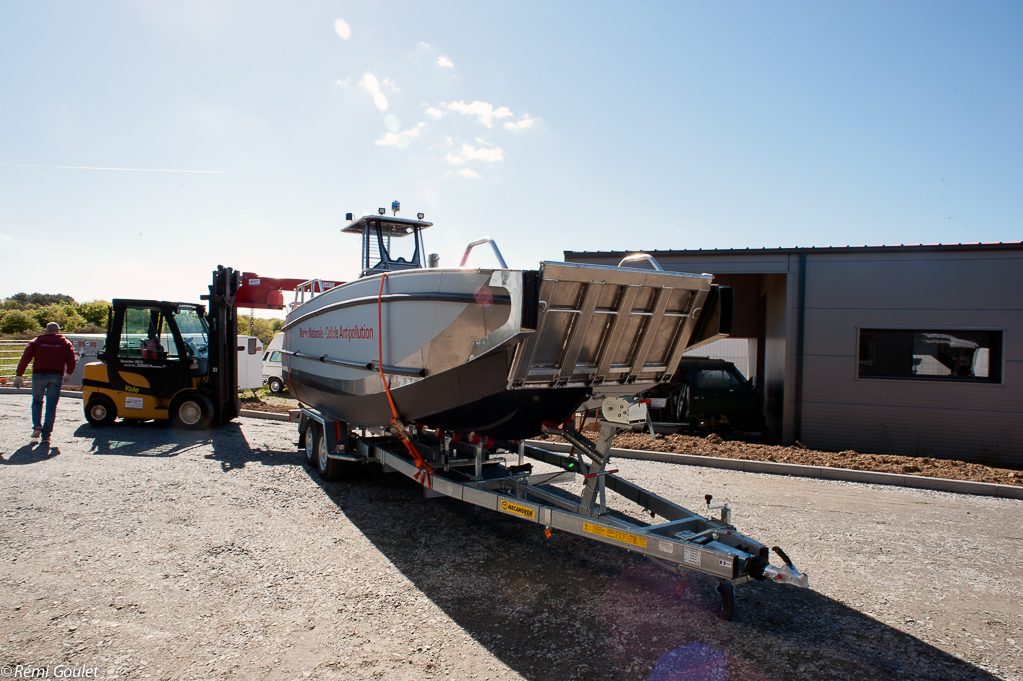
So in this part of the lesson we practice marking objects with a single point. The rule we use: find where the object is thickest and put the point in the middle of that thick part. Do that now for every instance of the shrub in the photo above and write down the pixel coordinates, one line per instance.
(18, 321)
(95, 312)
(65, 315)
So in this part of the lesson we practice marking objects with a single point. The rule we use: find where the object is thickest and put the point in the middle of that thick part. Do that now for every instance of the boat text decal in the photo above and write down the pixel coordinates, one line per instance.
(518, 509)
(601, 531)
(348, 333)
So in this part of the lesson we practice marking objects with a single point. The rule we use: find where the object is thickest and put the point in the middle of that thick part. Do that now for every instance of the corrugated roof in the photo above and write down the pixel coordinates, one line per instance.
(978, 246)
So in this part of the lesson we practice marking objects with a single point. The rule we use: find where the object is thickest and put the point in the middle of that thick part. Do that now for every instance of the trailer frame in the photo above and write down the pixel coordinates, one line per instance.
(477, 471)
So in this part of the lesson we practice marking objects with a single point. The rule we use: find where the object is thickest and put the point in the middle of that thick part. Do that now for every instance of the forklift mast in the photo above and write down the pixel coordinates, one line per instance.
(223, 344)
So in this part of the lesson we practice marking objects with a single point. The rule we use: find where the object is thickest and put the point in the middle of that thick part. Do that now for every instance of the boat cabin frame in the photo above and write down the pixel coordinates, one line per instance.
(377, 232)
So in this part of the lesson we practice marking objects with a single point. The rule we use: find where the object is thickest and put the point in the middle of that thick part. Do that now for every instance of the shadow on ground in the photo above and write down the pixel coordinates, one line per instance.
(567, 608)
(31, 453)
(158, 439)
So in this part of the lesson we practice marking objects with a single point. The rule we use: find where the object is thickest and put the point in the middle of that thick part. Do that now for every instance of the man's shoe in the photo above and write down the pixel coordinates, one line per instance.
(36, 433)
(45, 441)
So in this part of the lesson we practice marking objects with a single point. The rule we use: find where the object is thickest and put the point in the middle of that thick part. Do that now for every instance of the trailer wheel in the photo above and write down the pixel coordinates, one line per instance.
(330, 469)
(100, 411)
(727, 592)
(191, 412)
(312, 439)
(275, 384)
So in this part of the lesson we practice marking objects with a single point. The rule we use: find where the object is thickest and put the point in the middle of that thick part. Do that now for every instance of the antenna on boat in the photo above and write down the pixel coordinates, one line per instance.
(381, 211)
(395, 206)
(348, 216)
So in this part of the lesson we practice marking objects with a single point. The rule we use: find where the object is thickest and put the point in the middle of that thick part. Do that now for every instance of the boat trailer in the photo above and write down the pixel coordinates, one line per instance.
(476, 470)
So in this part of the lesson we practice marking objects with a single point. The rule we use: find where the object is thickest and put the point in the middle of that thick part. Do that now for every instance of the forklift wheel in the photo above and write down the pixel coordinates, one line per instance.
(100, 411)
(275, 384)
(191, 412)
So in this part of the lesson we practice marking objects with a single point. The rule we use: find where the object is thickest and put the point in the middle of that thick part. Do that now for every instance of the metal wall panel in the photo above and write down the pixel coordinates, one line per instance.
(941, 291)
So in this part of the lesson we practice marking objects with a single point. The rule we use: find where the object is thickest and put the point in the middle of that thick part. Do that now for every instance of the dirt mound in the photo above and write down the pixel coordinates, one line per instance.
(713, 445)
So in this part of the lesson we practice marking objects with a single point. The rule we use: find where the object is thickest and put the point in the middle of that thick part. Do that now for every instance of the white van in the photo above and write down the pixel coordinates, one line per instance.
(273, 371)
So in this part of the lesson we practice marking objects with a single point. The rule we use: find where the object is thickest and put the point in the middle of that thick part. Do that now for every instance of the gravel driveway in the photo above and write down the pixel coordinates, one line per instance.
(148, 553)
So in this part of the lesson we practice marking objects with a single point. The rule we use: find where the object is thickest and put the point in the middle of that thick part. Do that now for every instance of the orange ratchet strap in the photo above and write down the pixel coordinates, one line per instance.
(423, 474)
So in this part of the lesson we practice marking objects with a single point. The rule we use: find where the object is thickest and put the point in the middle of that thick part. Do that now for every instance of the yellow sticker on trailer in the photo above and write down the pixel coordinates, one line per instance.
(518, 509)
(625, 537)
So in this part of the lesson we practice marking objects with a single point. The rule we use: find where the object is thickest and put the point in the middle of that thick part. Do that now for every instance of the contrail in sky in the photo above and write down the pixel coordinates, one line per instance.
(139, 170)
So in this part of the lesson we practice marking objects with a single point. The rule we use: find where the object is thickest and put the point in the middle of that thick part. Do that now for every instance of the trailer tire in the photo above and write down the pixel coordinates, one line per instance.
(330, 469)
(312, 439)
(275, 385)
(191, 411)
(727, 592)
(100, 411)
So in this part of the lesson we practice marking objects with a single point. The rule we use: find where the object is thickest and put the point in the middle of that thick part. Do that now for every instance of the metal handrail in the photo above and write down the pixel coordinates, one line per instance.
(641, 256)
(493, 245)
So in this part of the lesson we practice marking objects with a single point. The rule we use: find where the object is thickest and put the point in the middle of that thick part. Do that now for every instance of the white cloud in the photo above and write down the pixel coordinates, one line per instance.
(400, 139)
(423, 46)
(466, 172)
(344, 31)
(4, 237)
(434, 113)
(444, 62)
(471, 153)
(343, 83)
(390, 85)
(524, 124)
(485, 113)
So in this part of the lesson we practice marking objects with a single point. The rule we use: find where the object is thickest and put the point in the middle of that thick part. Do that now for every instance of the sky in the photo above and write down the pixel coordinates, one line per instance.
(144, 143)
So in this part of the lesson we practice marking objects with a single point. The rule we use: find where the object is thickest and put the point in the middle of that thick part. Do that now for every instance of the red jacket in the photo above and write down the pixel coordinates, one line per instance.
(52, 353)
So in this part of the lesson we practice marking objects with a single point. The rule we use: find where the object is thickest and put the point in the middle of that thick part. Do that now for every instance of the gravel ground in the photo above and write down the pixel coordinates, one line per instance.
(145, 552)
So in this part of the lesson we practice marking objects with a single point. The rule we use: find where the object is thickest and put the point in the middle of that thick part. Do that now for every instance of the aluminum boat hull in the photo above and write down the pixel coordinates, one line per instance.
(492, 351)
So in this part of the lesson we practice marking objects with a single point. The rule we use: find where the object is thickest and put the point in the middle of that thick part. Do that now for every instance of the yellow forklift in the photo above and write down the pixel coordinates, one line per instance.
(166, 360)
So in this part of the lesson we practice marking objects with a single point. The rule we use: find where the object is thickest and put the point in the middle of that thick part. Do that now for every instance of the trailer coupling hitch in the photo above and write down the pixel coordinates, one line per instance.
(759, 568)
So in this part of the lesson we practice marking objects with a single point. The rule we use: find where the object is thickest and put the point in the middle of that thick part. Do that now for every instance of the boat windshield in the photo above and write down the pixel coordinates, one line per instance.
(398, 246)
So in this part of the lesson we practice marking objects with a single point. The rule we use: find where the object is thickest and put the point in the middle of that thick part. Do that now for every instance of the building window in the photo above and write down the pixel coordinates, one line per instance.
(934, 355)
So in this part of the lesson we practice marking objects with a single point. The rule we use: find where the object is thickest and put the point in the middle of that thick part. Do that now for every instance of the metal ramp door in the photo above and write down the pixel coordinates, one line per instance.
(600, 325)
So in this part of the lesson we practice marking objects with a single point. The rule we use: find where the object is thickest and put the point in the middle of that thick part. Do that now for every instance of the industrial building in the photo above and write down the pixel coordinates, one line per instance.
(888, 349)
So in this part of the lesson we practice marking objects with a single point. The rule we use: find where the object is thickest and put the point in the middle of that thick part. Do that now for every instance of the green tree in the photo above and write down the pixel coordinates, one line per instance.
(18, 321)
(65, 315)
(244, 326)
(263, 329)
(95, 312)
(23, 301)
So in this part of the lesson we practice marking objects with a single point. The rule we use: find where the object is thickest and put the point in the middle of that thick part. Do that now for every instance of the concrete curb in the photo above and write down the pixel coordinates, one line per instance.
(267, 415)
(989, 489)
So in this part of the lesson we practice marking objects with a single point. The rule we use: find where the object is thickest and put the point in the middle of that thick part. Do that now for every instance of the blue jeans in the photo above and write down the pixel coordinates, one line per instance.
(48, 386)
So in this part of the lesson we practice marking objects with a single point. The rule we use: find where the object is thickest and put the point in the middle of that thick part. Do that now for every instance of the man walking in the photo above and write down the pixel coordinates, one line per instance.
(53, 356)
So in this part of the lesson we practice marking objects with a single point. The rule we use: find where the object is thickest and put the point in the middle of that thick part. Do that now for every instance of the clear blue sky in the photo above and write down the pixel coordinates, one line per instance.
(545, 125)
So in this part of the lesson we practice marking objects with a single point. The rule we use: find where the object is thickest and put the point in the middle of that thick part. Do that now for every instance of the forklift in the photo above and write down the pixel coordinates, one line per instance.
(169, 361)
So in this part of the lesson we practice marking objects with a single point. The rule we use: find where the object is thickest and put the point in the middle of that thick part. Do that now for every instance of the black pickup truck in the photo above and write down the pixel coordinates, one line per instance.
(706, 394)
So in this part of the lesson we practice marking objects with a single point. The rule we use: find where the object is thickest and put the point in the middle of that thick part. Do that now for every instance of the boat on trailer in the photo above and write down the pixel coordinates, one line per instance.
(492, 351)
(433, 354)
